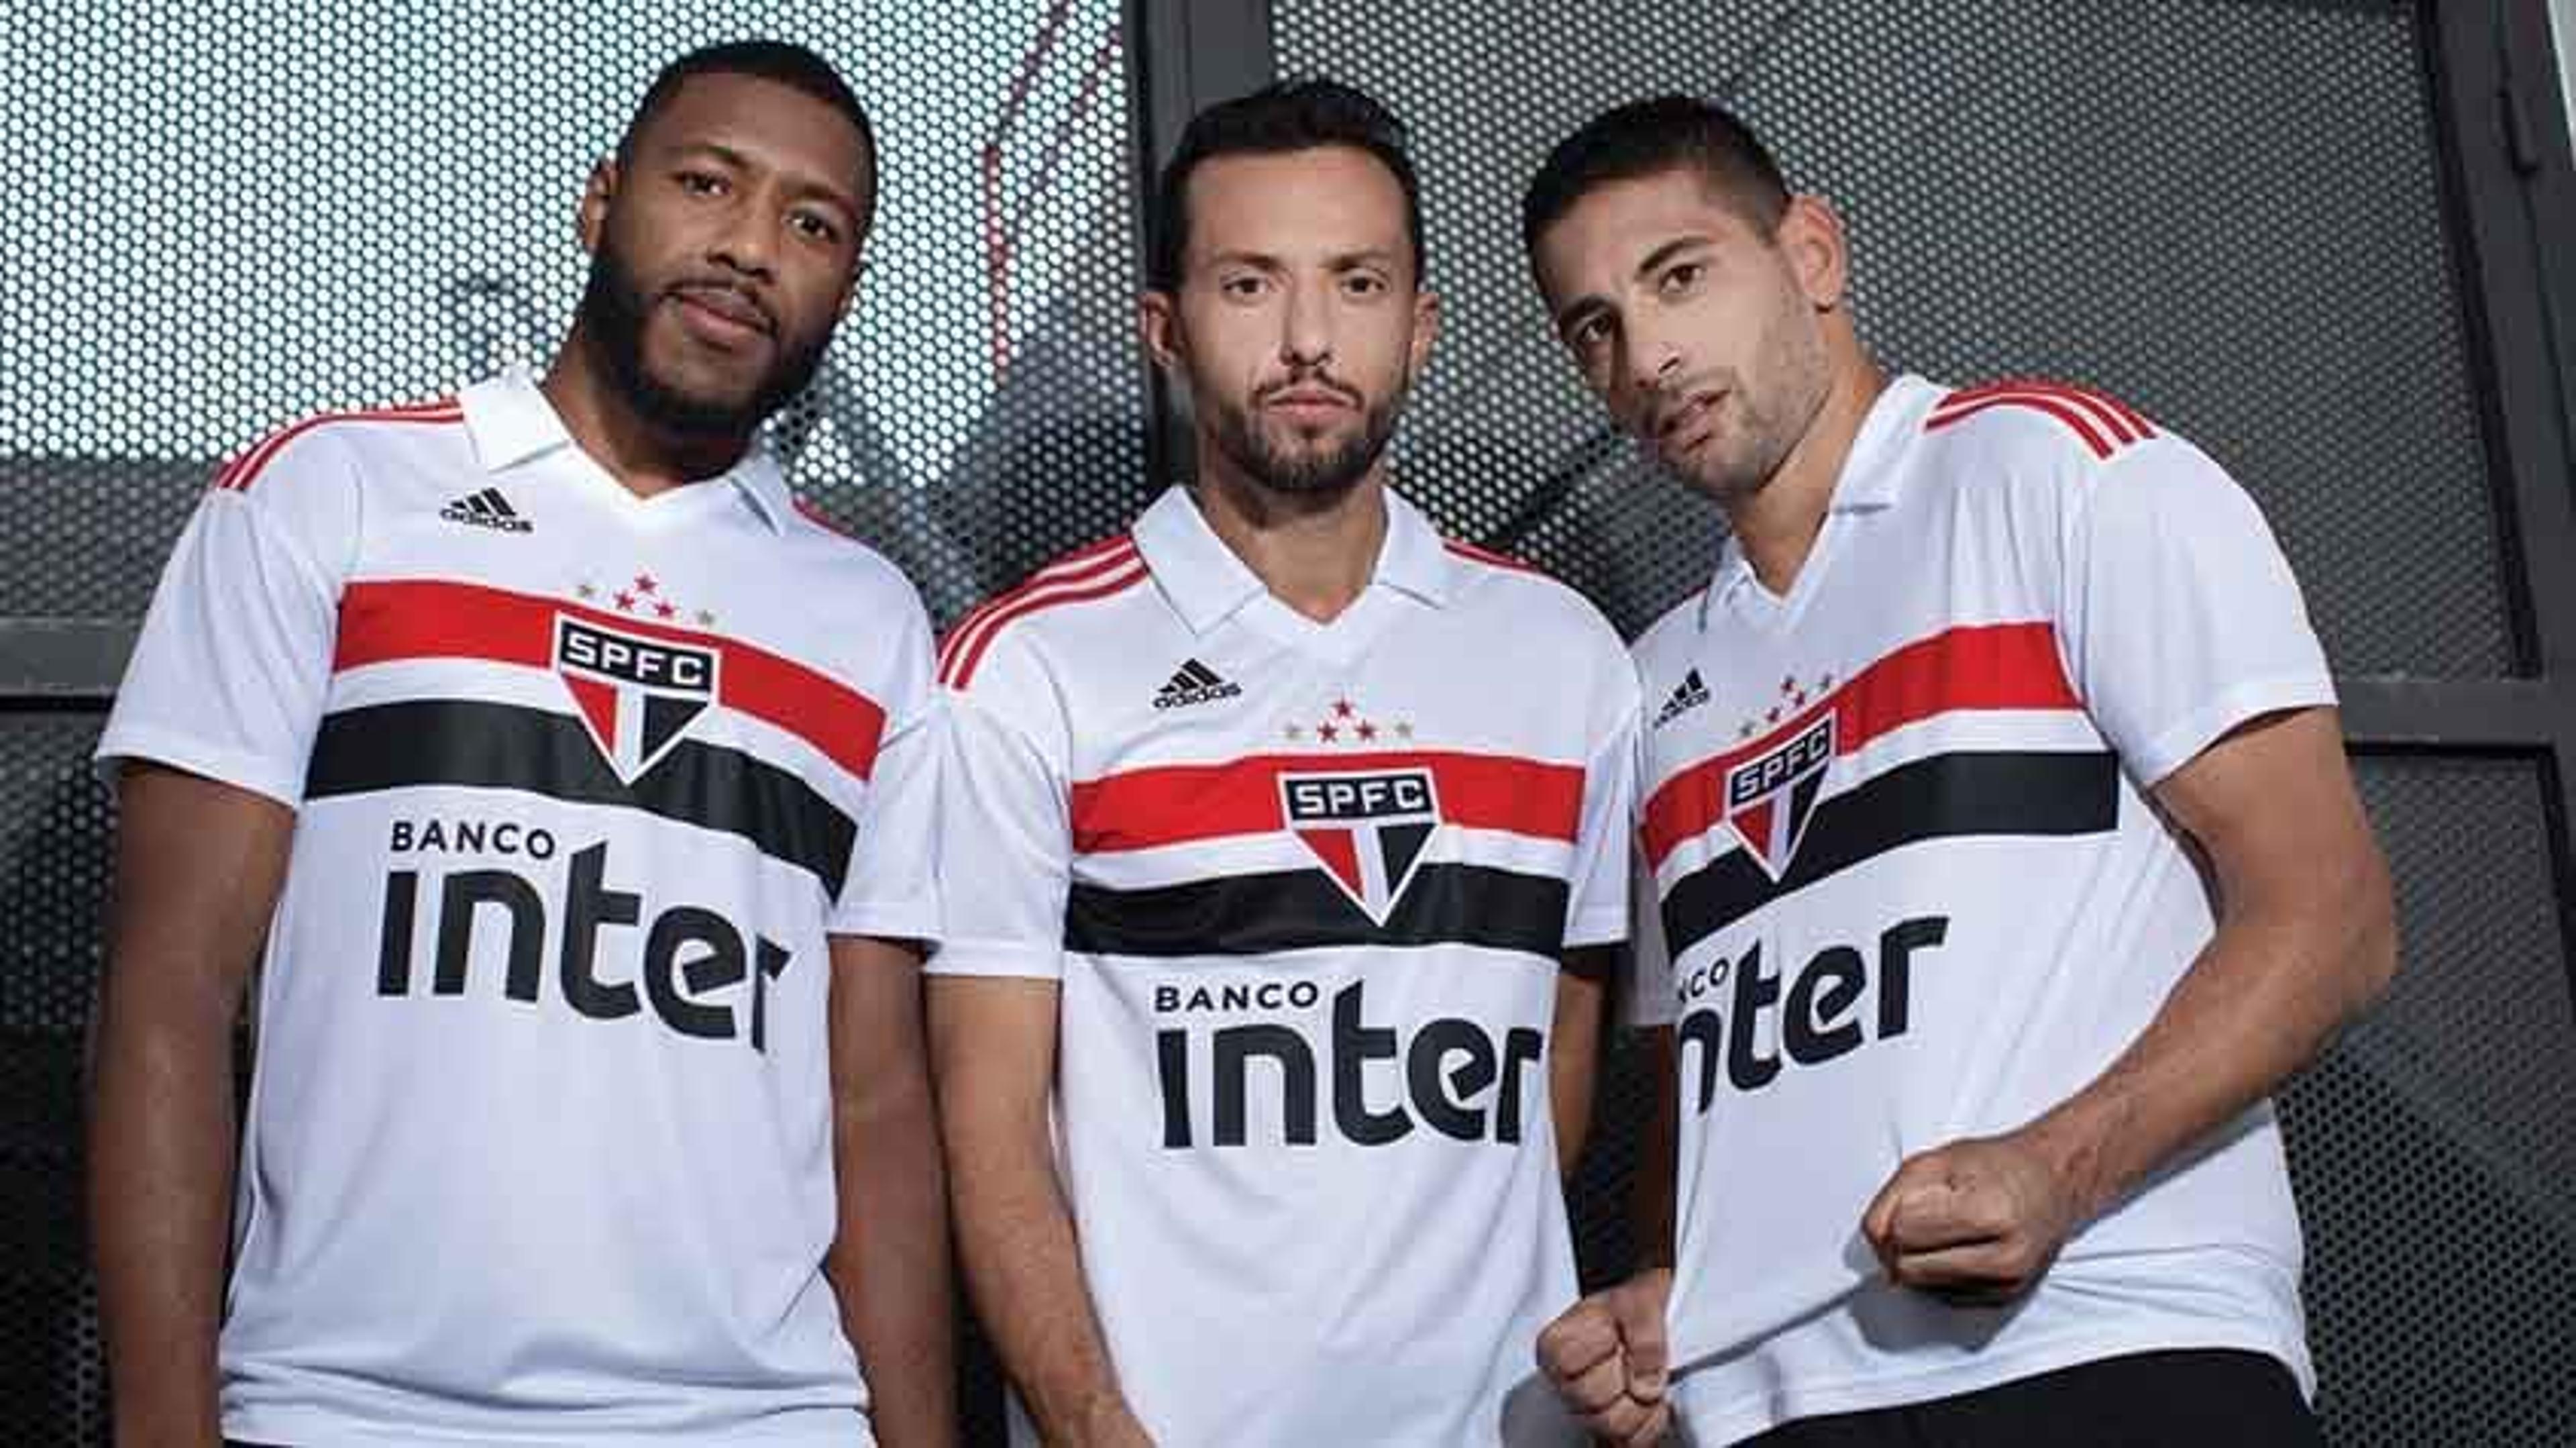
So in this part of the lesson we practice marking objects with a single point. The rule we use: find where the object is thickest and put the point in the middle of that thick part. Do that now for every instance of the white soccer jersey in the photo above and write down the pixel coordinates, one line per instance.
(1911, 890)
(539, 1140)
(1305, 887)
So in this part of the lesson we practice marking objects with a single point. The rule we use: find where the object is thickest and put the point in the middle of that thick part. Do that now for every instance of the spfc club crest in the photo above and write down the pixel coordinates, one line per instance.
(1367, 827)
(638, 695)
(1770, 797)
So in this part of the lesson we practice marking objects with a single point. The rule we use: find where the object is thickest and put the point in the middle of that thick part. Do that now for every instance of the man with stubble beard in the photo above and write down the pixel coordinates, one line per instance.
(569, 787)
(1281, 841)
(2002, 857)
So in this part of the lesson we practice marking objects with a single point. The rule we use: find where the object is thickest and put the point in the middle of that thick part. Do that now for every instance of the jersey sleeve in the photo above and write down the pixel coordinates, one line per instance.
(1597, 910)
(2181, 618)
(1006, 844)
(228, 675)
(891, 889)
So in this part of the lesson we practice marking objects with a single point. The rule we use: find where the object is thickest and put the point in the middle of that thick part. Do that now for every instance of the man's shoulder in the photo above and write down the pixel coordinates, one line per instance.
(1067, 605)
(336, 443)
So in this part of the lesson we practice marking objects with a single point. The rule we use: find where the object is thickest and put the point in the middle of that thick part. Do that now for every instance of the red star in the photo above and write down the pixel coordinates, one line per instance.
(643, 583)
(1771, 715)
(1367, 731)
(626, 602)
(1327, 733)
(1799, 698)
(1343, 709)
(667, 609)
(1824, 681)
(1787, 685)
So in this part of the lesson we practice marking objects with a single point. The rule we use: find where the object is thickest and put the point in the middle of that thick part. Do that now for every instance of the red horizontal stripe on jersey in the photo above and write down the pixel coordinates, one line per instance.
(387, 621)
(1175, 804)
(1993, 666)
(1115, 575)
(242, 471)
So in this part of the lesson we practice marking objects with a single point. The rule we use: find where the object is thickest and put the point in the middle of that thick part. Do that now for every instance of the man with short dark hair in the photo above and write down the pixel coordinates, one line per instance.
(1283, 840)
(570, 787)
(1971, 1070)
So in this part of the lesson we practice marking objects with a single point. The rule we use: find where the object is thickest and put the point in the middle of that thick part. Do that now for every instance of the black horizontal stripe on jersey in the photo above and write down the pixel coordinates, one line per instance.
(473, 744)
(1446, 904)
(2041, 793)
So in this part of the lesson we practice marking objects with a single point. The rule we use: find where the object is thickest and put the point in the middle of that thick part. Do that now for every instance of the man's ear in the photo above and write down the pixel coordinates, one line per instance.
(1426, 330)
(1158, 326)
(1811, 235)
(596, 196)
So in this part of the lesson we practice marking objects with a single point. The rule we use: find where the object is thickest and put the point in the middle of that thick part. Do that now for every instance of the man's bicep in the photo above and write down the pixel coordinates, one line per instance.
(199, 864)
(2272, 806)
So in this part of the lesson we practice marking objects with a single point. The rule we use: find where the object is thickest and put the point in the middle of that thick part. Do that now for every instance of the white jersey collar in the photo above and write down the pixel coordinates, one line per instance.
(511, 422)
(1870, 478)
(1207, 583)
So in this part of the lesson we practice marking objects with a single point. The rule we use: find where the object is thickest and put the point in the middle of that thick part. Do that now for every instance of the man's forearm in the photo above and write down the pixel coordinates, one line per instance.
(160, 1178)
(889, 1266)
(1025, 1272)
(2263, 999)
(1651, 1191)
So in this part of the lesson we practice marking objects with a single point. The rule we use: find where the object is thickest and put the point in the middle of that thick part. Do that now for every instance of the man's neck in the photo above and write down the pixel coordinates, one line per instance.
(645, 458)
(1315, 553)
(1777, 525)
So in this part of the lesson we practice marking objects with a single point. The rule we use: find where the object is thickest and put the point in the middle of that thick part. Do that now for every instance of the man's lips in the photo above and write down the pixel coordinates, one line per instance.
(722, 314)
(1682, 428)
(1308, 400)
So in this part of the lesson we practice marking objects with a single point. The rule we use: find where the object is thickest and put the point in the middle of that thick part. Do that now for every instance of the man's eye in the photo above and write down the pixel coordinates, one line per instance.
(1681, 277)
(700, 183)
(815, 225)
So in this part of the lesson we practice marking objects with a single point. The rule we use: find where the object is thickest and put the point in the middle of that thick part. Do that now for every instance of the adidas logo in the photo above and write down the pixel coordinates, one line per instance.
(487, 509)
(1194, 683)
(1690, 695)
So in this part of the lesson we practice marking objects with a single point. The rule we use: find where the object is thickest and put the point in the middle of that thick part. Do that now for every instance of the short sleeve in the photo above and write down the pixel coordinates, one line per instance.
(1006, 851)
(891, 889)
(1597, 911)
(228, 676)
(2181, 618)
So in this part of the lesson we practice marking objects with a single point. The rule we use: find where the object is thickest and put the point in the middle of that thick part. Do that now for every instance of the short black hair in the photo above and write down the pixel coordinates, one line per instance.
(790, 65)
(1650, 137)
(1298, 115)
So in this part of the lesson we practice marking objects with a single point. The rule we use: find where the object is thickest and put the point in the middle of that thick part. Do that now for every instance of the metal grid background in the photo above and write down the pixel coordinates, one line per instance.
(986, 412)
(2229, 213)
(281, 211)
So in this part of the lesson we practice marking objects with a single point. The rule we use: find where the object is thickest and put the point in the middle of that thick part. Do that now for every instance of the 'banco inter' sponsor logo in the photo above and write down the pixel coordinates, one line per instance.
(1366, 827)
(637, 694)
(1374, 1083)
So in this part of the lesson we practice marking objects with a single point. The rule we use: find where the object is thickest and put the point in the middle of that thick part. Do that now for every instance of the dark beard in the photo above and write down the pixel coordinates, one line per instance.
(1306, 474)
(612, 315)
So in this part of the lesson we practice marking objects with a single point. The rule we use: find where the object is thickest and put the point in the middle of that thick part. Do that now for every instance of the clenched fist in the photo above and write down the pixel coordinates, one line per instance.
(1605, 1357)
(1974, 1222)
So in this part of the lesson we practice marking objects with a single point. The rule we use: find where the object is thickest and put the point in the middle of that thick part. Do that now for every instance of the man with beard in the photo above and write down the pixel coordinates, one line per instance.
(1273, 824)
(1972, 1060)
(569, 786)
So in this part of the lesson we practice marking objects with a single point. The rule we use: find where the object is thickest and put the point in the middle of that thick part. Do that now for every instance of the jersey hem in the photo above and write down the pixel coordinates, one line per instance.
(310, 1426)
(1760, 1412)
(2183, 741)
(224, 766)
(910, 920)
(996, 958)
(1609, 927)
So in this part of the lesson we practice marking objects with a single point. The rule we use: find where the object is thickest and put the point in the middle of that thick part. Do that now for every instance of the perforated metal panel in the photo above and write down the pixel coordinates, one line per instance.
(2431, 1150)
(280, 209)
(2229, 212)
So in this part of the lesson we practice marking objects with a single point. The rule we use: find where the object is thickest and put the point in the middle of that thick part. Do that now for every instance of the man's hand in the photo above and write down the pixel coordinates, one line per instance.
(1605, 1356)
(1974, 1222)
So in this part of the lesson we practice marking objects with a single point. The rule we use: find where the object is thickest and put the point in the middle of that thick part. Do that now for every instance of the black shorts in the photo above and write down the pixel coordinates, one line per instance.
(2199, 1398)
